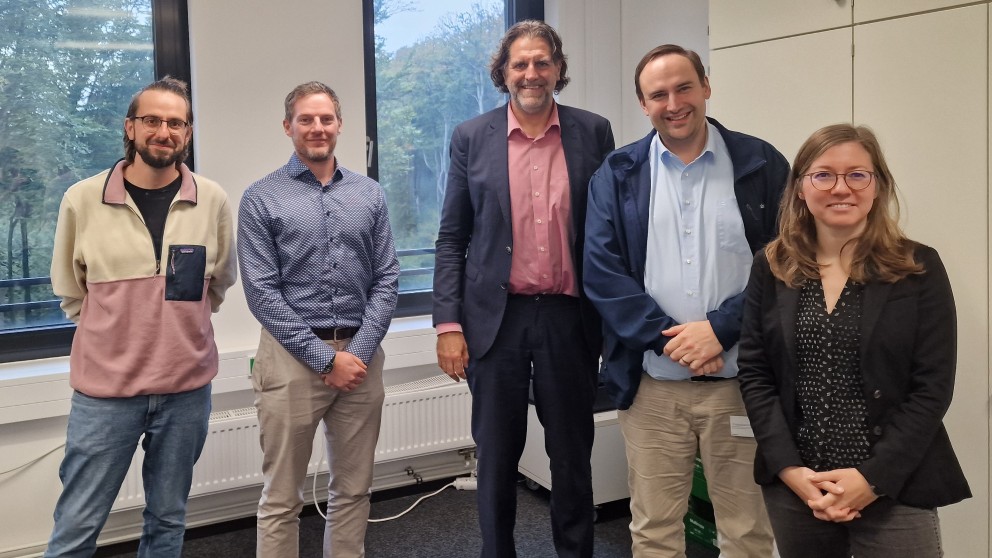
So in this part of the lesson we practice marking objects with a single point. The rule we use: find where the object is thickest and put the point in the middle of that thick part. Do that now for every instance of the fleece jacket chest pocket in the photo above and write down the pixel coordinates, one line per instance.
(185, 272)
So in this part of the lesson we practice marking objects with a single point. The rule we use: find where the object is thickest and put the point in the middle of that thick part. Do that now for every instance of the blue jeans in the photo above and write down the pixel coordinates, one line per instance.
(101, 440)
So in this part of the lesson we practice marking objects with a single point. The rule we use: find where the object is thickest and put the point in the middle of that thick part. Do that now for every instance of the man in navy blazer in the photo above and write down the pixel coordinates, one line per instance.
(509, 308)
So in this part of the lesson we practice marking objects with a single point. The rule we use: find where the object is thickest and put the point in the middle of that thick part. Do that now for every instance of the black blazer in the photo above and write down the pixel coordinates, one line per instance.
(474, 242)
(908, 361)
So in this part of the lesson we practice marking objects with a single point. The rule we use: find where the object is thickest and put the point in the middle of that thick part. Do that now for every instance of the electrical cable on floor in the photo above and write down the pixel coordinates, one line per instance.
(316, 504)
(419, 500)
(33, 461)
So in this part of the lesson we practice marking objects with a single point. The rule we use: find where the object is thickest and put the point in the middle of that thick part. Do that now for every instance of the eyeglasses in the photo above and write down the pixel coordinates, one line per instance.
(855, 180)
(154, 122)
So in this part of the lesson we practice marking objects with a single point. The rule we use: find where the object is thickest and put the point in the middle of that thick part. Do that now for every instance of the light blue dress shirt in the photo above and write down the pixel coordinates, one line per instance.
(698, 256)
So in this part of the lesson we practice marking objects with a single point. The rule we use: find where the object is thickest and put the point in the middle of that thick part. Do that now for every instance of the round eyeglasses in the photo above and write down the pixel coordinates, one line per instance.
(154, 122)
(855, 180)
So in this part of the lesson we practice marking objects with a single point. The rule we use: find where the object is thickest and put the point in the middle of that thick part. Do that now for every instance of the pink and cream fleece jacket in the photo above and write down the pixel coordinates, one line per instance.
(142, 325)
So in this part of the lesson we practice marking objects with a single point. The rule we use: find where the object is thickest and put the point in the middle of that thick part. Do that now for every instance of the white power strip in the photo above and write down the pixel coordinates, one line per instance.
(465, 483)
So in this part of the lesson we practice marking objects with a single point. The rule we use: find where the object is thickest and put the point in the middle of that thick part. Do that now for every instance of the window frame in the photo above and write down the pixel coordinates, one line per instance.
(416, 303)
(170, 38)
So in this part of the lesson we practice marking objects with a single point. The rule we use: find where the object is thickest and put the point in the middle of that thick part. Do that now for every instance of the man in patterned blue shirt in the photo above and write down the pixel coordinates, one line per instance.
(320, 273)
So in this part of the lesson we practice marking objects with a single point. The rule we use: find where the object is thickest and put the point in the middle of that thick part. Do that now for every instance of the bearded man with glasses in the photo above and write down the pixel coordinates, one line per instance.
(143, 255)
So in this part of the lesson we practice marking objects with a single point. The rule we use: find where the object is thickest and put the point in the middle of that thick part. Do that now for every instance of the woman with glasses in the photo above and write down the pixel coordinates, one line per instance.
(847, 363)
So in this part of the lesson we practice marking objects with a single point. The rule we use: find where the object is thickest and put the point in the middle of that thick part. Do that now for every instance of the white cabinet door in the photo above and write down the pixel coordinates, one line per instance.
(783, 90)
(868, 10)
(921, 83)
(646, 24)
(735, 22)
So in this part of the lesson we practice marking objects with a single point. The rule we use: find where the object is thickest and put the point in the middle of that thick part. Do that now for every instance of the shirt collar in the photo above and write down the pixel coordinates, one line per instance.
(668, 158)
(295, 167)
(114, 191)
(512, 124)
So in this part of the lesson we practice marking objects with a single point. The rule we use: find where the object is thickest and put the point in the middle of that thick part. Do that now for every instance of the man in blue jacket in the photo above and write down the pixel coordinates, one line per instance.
(673, 222)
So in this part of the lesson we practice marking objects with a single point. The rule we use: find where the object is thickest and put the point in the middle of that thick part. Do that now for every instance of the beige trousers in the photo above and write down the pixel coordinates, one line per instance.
(664, 427)
(291, 400)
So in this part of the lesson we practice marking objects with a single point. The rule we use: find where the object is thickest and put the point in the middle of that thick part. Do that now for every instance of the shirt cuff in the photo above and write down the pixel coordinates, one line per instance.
(448, 327)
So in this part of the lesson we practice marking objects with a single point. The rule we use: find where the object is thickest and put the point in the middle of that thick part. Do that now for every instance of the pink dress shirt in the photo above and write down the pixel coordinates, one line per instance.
(540, 210)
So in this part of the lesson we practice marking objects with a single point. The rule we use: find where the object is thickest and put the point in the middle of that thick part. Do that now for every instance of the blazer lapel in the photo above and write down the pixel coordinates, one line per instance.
(875, 296)
(788, 309)
(571, 143)
(497, 150)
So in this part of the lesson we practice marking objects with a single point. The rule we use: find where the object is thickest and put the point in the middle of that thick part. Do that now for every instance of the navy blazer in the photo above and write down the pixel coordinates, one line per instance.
(616, 250)
(475, 242)
(908, 361)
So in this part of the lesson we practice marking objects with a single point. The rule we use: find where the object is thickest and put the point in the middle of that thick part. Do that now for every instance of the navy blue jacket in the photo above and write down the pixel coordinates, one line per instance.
(616, 250)
(475, 240)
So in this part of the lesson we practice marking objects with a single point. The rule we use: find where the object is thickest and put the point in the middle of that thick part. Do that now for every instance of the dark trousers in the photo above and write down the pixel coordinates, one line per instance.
(886, 529)
(540, 340)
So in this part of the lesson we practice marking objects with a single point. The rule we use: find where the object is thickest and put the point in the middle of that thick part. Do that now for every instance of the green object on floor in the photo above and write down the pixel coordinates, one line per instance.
(699, 523)
(699, 489)
(700, 530)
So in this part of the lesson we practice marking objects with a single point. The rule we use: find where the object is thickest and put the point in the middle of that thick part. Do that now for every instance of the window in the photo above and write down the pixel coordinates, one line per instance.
(69, 70)
(431, 60)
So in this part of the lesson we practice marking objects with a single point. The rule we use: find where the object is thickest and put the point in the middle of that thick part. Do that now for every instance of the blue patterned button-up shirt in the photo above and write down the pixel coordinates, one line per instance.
(314, 255)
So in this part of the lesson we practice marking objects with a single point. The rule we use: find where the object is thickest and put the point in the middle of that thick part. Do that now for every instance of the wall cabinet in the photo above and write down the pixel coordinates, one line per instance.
(782, 90)
(868, 10)
(733, 22)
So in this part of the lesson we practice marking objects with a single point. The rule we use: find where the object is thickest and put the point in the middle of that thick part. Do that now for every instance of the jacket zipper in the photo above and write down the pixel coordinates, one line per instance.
(158, 260)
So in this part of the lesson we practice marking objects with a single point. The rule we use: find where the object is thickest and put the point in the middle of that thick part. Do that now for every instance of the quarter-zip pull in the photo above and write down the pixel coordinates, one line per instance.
(158, 266)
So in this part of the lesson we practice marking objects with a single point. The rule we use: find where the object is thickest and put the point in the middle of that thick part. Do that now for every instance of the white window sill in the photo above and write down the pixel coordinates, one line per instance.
(37, 389)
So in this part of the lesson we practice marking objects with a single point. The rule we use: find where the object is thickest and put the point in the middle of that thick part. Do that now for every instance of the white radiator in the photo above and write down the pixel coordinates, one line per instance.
(418, 418)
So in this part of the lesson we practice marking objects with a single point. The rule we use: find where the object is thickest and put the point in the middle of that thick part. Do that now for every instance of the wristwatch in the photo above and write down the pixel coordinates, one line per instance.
(327, 369)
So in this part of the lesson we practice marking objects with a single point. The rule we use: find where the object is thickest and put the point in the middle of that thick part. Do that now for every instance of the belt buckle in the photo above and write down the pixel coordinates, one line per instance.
(334, 336)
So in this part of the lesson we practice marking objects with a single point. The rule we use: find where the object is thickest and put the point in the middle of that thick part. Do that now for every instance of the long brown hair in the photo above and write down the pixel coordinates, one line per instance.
(531, 28)
(881, 253)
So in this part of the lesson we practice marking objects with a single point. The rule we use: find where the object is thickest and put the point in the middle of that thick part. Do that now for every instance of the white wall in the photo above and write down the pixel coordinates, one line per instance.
(605, 40)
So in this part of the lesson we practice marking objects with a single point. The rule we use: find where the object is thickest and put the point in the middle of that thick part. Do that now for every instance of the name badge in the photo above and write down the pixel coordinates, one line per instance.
(741, 427)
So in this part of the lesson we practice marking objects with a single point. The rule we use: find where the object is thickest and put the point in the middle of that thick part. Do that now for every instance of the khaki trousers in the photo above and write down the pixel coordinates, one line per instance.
(666, 424)
(291, 400)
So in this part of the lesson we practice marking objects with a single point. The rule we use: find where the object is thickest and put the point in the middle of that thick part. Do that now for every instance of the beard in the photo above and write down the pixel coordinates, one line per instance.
(318, 155)
(529, 103)
(315, 153)
(160, 161)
